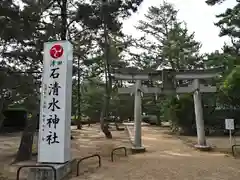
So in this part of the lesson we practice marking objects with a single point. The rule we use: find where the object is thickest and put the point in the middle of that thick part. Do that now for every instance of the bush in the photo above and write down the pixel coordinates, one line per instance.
(181, 114)
(151, 119)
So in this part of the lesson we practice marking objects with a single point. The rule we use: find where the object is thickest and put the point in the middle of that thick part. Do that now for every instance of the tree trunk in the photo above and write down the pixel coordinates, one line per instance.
(64, 19)
(158, 120)
(1, 113)
(79, 124)
(3, 106)
(25, 148)
(158, 110)
(103, 124)
(1, 120)
(105, 110)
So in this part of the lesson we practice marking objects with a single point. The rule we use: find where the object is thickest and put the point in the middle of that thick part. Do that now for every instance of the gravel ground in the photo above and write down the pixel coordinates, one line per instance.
(167, 158)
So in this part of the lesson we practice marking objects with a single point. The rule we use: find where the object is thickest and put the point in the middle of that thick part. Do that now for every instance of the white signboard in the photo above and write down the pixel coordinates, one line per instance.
(54, 144)
(229, 124)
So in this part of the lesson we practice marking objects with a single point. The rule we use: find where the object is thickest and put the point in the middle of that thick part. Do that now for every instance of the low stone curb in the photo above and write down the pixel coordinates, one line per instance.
(191, 144)
(131, 137)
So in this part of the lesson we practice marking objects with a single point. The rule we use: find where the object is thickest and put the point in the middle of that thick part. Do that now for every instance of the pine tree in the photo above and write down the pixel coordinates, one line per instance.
(167, 41)
(26, 29)
(229, 24)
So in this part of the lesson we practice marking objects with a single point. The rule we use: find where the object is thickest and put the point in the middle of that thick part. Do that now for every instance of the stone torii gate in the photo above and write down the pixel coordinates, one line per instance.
(168, 78)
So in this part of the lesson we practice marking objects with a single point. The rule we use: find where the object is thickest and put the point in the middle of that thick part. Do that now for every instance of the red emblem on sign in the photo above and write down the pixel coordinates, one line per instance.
(56, 51)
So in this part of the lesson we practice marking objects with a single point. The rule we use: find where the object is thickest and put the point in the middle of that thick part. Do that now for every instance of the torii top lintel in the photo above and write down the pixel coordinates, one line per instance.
(133, 74)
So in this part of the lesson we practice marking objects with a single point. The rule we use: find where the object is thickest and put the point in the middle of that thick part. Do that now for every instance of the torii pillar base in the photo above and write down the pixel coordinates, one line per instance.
(137, 150)
(203, 147)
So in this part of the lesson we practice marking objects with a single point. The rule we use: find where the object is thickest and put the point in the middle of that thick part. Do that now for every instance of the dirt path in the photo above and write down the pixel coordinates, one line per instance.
(167, 159)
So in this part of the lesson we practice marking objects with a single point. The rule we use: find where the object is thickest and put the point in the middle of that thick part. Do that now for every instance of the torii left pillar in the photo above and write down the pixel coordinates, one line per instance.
(199, 116)
(137, 148)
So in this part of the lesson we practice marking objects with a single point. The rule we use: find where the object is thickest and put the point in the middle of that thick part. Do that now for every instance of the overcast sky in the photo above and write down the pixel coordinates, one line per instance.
(197, 14)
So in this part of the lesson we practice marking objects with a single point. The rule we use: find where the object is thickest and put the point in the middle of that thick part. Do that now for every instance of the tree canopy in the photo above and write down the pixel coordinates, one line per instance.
(100, 48)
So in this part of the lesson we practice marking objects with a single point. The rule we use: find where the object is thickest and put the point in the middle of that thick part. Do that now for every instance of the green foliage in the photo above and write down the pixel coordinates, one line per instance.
(123, 106)
(181, 49)
(24, 30)
(213, 2)
(217, 59)
(92, 102)
(171, 43)
(181, 112)
(229, 26)
(230, 88)
(91, 98)
(228, 23)
(94, 14)
(17, 88)
(92, 94)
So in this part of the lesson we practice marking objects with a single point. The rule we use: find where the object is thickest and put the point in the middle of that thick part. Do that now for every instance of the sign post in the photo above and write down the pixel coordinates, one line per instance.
(229, 125)
(54, 144)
